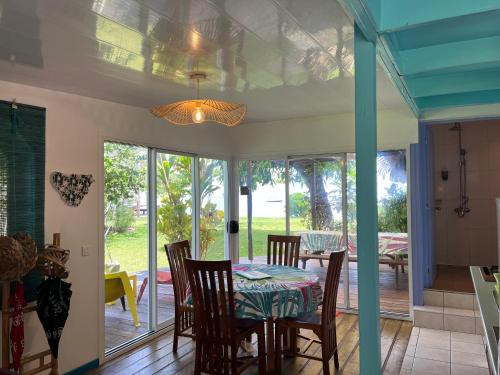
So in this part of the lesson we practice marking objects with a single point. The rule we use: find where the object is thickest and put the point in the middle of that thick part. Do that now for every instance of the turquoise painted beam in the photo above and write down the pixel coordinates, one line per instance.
(363, 16)
(474, 26)
(366, 203)
(460, 82)
(387, 63)
(403, 14)
(367, 24)
(459, 100)
(473, 54)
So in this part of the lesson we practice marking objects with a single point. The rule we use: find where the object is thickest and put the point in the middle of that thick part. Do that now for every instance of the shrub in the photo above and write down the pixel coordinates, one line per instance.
(123, 218)
(392, 215)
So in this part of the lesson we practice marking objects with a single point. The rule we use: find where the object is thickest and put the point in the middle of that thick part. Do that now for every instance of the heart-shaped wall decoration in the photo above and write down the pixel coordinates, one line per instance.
(72, 188)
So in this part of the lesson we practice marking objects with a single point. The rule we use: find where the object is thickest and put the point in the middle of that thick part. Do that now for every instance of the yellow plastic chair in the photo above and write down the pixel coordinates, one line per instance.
(117, 286)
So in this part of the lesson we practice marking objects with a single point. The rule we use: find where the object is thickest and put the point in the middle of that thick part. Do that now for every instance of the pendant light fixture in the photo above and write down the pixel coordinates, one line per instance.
(198, 111)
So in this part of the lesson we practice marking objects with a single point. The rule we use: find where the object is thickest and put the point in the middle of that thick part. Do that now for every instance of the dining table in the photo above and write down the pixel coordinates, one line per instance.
(287, 292)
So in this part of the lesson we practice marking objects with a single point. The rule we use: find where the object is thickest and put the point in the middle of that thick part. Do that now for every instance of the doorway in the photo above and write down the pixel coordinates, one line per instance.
(315, 197)
(153, 197)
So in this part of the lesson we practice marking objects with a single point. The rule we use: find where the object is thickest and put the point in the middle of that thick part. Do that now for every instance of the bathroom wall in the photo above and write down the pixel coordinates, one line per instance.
(471, 240)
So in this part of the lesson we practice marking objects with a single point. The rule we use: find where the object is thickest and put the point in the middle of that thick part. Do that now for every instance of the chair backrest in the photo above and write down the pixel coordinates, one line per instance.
(177, 252)
(283, 250)
(329, 309)
(211, 284)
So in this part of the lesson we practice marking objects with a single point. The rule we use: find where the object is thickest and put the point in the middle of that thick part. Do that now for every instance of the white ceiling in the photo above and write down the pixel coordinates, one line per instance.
(283, 58)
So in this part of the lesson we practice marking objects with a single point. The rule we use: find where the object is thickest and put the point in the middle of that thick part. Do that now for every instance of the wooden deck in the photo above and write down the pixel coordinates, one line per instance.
(156, 357)
(119, 327)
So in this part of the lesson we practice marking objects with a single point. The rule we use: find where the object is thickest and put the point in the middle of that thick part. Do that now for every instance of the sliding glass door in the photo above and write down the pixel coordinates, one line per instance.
(262, 206)
(213, 206)
(174, 221)
(126, 253)
(316, 211)
(315, 197)
(154, 197)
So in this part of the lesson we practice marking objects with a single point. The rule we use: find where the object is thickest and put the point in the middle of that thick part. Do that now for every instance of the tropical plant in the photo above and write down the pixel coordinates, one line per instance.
(175, 189)
(300, 205)
(124, 177)
(392, 215)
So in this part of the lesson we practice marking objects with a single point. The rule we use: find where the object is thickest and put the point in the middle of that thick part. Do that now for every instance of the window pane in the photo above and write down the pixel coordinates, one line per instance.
(262, 206)
(316, 212)
(393, 230)
(212, 210)
(174, 220)
(126, 242)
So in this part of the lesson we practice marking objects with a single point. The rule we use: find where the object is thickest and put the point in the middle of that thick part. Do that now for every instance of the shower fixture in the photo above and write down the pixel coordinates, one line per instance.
(464, 199)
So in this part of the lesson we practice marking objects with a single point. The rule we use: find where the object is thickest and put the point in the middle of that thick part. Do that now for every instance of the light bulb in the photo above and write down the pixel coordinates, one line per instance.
(198, 115)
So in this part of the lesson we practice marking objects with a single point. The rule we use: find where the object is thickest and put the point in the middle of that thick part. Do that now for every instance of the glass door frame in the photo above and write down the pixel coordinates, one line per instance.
(154, 327)
(195, 222)
(342, 156)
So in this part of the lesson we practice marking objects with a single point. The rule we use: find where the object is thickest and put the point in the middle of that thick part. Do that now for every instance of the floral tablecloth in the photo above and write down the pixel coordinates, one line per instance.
(290, 292)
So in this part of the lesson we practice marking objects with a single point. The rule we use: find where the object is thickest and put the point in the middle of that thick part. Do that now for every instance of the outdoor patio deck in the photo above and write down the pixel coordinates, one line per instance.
(120, 327)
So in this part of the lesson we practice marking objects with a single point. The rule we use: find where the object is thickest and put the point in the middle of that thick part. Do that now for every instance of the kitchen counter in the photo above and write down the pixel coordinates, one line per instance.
(489, 314)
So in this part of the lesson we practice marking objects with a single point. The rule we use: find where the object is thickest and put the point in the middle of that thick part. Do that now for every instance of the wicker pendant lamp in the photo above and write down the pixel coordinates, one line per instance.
(198, 111)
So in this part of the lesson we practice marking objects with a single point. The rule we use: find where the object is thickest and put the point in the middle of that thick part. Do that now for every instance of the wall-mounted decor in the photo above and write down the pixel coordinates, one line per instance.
(72, 188)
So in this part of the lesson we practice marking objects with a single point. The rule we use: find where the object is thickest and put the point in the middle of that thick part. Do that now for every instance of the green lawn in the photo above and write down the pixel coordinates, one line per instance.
(131, 251)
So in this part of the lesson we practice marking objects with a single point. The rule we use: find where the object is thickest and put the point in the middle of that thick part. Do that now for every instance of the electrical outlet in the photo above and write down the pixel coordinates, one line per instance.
(85, 250)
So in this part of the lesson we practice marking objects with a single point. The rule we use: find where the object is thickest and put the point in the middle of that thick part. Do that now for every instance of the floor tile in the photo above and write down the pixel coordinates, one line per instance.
(429, 367)
(429, 319)
(430, 342)
(407, 363)
(464, 324)
(433, 298)
(434, 333)
(466, 337)
(430, 309)
(459, 312)
(410, 350)
(469, 359)
(468, 370)
(413, 341)
(467, 347)
(459, 300)
(442, 355)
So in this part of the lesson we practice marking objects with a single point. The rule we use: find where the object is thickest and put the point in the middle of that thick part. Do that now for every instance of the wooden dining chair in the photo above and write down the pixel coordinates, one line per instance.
(177, 252)
(321, 323)
(283, 250)
(218, 332)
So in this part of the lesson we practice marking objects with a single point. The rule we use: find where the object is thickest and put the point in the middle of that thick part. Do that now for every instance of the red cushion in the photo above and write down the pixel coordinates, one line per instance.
(164, 277)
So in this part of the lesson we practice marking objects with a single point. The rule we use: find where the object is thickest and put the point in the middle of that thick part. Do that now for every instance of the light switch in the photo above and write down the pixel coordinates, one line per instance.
(85, 250)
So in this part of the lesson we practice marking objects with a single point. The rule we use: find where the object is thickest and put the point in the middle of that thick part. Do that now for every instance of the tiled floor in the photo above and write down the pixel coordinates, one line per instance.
(438, 352)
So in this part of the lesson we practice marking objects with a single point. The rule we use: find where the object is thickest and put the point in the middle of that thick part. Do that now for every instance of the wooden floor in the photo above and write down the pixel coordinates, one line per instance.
(119, 327)
(156, 357)
(454, 279)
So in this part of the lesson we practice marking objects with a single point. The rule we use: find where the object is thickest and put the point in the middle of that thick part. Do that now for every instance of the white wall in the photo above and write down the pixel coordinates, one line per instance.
(75, 127)
(325, 134)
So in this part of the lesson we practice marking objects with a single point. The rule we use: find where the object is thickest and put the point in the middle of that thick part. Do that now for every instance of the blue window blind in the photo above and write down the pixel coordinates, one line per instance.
(22, 176)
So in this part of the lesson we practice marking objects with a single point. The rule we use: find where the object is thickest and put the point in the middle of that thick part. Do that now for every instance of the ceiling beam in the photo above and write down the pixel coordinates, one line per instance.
(403, 14)
(460, 82)
(459, 100)
(364, 19)
(474, 54)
